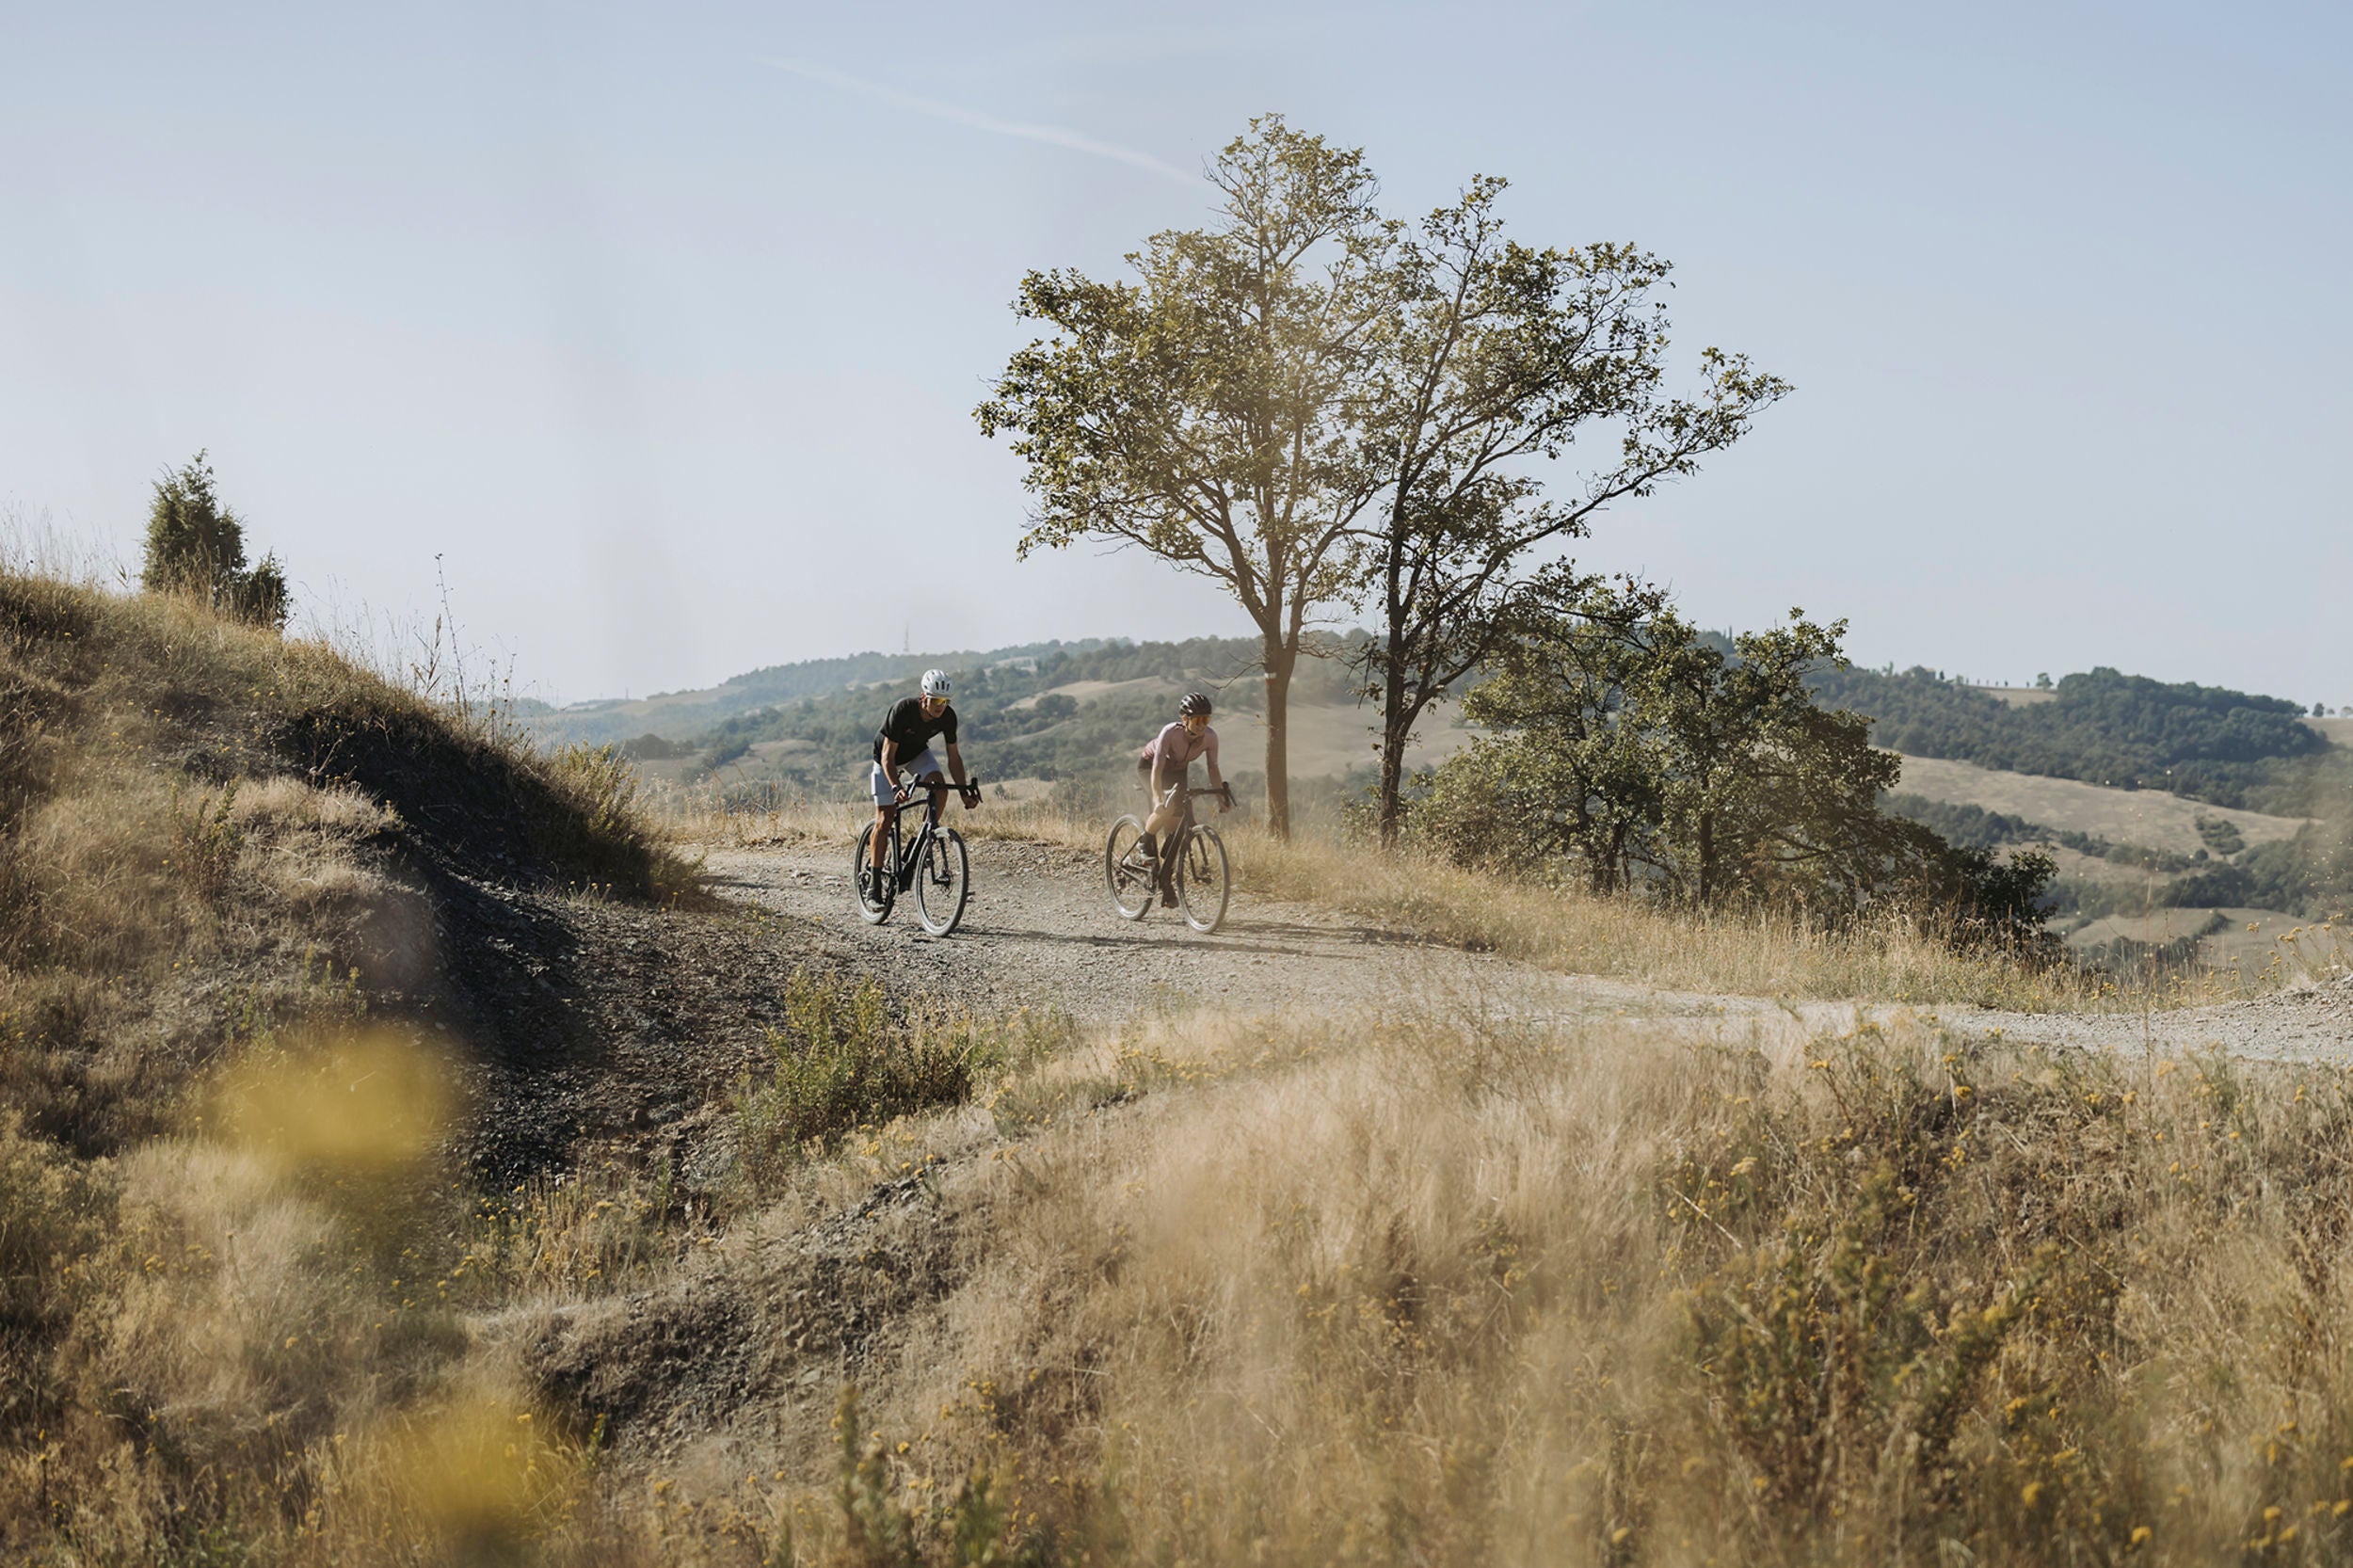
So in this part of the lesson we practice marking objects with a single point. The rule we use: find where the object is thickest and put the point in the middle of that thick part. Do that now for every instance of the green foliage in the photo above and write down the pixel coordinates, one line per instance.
(2221, 835)
(1312, 404)
(207, 839)
(973, 1526)
(1011, 721)
(1968, 826)
(1632, 746)
(262, 596)
(1986, 899)
(1975, 827)
(1626, 743)
(2103, 728)
(1208, 412)
(651, 748)
(195, 545)
(844, 1059)
(1873, 1337)
(2308, 876)
(1495, 352)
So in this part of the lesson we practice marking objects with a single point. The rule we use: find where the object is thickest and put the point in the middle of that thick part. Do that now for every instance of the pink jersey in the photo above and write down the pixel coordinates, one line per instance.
(1176, 749)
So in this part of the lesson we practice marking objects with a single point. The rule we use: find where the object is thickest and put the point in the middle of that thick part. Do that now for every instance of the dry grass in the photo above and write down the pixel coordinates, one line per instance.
(1434, 1293)
(182, 795)
(226, 1239)
(1430, 1288)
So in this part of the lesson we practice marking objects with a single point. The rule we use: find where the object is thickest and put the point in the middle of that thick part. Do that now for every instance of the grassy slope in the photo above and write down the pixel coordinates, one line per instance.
(253, 903)
(1387, 1288)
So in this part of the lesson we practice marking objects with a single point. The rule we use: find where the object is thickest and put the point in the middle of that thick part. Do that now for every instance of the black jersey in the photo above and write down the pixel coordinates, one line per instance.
(906, 726)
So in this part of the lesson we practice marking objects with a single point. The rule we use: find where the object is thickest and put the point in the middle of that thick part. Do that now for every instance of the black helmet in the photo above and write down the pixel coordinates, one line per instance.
(1194, 702)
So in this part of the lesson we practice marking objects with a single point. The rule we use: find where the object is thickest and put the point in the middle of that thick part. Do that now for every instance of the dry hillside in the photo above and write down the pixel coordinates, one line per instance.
(409, 1156)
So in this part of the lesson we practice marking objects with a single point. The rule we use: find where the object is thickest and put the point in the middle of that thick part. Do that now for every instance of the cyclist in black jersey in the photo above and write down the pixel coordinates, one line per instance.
(904, 744)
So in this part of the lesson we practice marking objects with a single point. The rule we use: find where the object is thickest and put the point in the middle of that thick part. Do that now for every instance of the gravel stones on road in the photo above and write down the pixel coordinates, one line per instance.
(1040, 931)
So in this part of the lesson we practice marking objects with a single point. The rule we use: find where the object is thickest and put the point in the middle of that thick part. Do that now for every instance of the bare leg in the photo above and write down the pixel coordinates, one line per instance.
(1163, 817)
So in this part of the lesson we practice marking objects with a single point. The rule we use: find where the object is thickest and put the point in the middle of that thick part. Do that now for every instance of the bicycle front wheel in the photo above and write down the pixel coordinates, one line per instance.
(942, 883)
(1127, 874)
(868, 890)
(1203, 882)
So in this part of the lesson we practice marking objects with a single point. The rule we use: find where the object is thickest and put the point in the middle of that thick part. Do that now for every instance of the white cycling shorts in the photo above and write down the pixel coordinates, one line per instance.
(922, 765)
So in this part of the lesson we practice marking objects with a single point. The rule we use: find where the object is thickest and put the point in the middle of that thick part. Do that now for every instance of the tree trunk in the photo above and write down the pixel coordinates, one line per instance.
(1280, 661)
(1397, 728)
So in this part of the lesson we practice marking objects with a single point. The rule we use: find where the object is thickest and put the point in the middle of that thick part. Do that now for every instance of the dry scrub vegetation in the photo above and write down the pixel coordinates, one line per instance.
(1430, 1288)
(1438, 1289)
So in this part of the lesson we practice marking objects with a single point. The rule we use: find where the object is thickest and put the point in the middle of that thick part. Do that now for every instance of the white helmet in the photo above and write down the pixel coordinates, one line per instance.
(936, 684)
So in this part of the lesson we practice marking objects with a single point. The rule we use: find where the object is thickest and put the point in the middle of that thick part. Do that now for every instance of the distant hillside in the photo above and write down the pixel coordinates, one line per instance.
(680, 716)
(1059, 711)
(1051, 712)
(2103, 728)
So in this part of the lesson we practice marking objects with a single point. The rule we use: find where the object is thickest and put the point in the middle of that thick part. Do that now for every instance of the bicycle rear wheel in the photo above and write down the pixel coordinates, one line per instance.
(942, 883)
(1126, 874)
(871, 893)
(1203, 883)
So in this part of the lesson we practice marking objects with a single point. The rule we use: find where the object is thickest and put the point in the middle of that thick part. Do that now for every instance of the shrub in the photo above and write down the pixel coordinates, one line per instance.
(842, 1060)
(195, 545)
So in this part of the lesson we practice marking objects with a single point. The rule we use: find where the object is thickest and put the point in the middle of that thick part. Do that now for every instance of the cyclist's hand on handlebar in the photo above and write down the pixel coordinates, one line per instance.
(971, 794)
(1225, 798)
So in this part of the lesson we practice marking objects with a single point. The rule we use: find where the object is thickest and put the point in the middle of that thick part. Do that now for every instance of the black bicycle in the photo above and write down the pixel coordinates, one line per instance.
(931, 864)
(1203, 883)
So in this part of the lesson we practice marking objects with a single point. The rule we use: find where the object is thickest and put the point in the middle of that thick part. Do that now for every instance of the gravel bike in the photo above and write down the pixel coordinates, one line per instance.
(931, 864)
(1204, 882)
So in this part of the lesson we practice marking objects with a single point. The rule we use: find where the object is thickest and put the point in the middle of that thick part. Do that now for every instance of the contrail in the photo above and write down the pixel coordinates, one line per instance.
(1054, 136)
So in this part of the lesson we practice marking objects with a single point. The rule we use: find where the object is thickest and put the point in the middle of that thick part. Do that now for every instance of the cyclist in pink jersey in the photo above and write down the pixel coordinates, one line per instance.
(1162, 771)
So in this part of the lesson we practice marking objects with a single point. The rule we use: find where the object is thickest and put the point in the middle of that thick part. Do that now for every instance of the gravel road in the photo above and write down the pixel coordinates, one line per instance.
(1040, 931)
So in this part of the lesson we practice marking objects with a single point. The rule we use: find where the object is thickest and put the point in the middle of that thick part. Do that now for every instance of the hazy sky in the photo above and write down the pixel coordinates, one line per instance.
(660, 329)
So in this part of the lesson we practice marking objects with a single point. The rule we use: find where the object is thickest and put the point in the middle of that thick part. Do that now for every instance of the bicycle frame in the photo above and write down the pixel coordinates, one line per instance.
(1186, 795)
(908, 853)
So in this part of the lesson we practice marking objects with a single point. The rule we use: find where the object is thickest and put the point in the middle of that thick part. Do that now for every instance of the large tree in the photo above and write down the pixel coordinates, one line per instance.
(1497, 357)
(1205, 412)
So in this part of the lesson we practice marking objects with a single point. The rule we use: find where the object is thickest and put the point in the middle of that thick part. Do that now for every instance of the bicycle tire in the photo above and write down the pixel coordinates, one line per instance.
(1129, 883)
(870, 909)
(1205, 883)
(942, 883)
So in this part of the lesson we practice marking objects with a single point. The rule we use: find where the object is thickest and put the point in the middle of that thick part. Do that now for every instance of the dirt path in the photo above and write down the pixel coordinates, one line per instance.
(1039, 931)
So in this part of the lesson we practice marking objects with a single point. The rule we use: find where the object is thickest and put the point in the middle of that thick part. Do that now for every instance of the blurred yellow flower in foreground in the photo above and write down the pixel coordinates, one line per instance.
(372, 1102)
